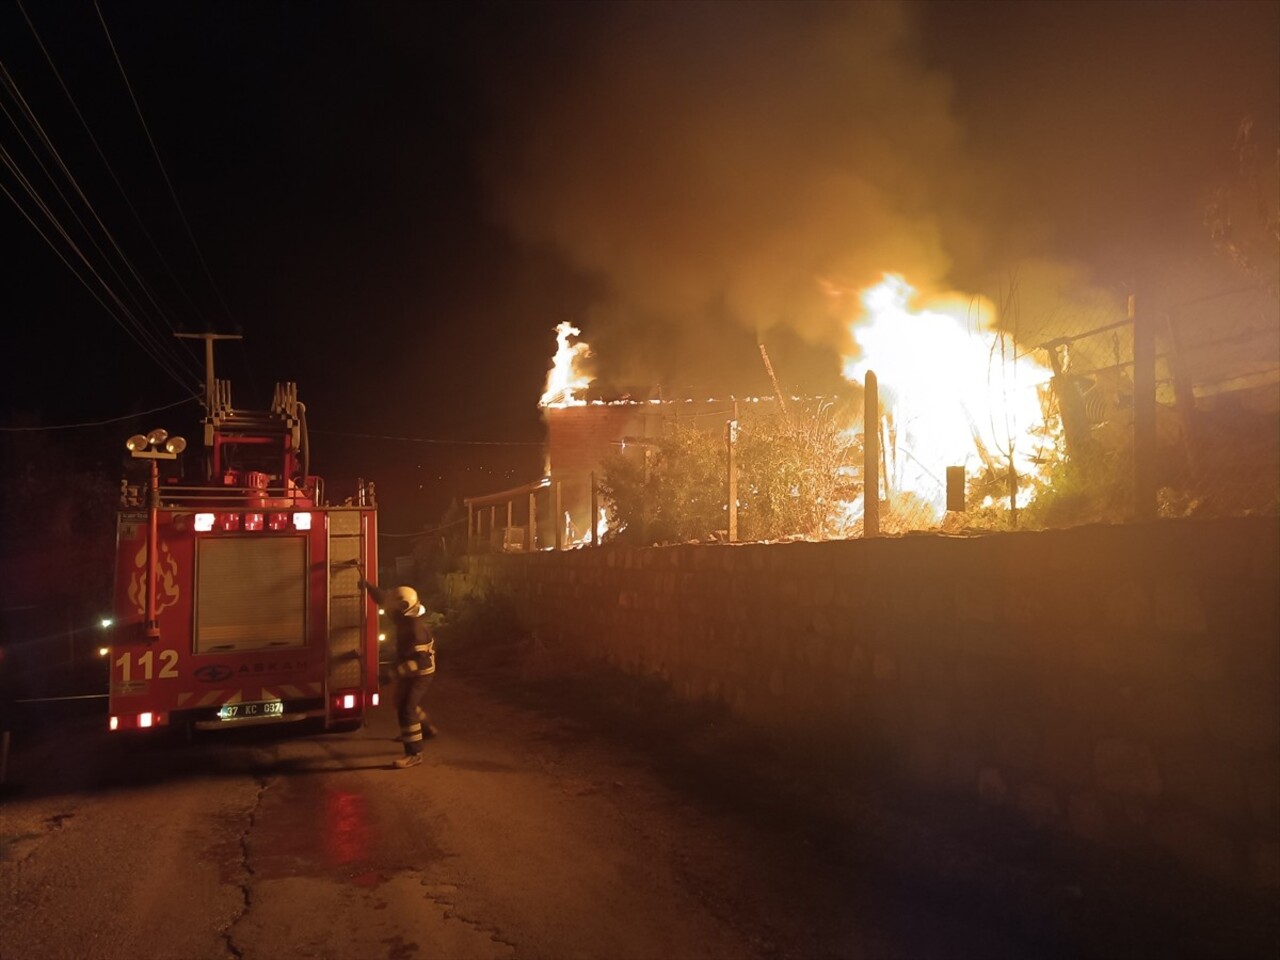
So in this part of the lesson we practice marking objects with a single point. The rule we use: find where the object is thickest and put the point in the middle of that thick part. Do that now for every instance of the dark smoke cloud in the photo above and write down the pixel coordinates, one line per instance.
(714, 164)
(719, 168)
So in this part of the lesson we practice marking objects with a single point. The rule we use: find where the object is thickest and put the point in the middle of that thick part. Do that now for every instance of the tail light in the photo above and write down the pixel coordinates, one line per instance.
(347, 701)
(136, 721)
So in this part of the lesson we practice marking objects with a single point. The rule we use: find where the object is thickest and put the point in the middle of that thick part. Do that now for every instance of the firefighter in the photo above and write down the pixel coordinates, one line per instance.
(414, 665)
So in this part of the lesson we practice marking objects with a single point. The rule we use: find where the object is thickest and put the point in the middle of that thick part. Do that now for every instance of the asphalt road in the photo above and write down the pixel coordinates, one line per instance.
(549, 821)
(525, 834)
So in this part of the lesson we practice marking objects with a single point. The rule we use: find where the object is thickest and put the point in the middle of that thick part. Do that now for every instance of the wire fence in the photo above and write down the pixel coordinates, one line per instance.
(1222, 397)
(1191, 427)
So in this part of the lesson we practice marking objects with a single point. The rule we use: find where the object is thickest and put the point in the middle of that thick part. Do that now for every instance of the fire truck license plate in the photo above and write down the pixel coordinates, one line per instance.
(239, 711)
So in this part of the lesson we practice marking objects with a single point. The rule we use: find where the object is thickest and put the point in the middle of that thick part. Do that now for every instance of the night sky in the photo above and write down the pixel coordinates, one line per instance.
(396, 203)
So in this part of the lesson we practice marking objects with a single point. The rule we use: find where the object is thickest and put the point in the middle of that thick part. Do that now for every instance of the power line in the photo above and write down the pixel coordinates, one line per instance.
(160, 163)
(99, 423)
(474, 443)
(93, 293)
(110, 170)
(10, 85)
(423, 533)
(163, 353)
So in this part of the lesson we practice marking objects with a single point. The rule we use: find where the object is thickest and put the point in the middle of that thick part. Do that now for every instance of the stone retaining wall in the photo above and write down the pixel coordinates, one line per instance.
(1118, 683)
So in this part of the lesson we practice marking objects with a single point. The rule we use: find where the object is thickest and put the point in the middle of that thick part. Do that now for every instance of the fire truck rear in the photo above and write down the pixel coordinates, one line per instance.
(237, 595)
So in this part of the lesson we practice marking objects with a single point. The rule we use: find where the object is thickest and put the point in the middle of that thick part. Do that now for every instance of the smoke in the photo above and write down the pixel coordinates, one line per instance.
(720, 168)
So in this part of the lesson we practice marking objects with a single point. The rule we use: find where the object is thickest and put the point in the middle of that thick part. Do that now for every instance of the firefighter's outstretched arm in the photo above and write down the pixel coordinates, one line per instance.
(371, 588)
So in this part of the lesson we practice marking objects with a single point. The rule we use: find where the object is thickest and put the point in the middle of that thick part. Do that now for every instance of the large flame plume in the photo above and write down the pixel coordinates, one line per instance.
(954, 392)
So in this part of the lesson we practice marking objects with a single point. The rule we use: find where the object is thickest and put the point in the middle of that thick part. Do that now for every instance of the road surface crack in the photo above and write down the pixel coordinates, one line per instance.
(246, 869)
(451, 913)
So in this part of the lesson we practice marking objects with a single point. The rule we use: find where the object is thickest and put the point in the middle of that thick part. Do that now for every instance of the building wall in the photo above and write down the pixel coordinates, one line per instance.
(579, 438)
(1119, 684)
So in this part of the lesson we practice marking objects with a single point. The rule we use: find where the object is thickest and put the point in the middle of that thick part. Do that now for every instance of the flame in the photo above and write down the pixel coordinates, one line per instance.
(952, 393)
(572, 538)
(566, 376)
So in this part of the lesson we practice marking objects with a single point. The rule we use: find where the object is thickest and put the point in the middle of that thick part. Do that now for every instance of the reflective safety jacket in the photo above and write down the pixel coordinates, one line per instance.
(415, 646)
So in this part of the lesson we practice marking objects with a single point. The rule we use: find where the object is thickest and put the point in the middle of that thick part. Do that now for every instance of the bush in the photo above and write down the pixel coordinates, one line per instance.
(789, 481)
(790, 476)
(672, 492)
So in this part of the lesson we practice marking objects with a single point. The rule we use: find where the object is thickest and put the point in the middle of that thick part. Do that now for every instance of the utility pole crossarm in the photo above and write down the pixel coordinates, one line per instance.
(208, 339)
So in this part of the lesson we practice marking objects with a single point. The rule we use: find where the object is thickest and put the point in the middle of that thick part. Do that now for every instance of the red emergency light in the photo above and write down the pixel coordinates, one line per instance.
(228, 522)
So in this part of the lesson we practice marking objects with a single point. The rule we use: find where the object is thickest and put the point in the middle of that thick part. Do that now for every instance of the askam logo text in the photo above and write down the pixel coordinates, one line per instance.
(213, 673)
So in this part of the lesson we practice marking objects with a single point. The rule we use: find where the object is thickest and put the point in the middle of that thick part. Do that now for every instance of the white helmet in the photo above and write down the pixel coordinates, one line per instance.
(405, 601)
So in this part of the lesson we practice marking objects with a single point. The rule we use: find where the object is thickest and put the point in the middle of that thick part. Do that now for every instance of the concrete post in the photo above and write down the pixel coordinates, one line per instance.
(871, 457)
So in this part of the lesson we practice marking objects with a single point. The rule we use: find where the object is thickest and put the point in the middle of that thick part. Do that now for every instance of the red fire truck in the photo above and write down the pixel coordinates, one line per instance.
(237, 596)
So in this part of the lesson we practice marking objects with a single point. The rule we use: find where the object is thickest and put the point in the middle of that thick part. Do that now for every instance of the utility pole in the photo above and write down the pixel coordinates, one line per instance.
(209, 379)
(777, 390)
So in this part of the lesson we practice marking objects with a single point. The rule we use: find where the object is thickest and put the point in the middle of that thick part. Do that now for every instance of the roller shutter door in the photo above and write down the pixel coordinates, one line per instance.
(251, 593)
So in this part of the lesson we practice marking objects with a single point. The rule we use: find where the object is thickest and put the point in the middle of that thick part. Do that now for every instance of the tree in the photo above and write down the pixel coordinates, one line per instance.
(1243, 218)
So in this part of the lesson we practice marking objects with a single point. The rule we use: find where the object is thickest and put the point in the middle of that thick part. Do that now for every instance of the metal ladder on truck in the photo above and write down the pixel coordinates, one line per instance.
(346, 664)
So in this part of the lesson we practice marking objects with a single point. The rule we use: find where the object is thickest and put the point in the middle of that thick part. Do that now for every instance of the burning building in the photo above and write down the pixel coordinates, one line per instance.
(952, 401)
(557, 510)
